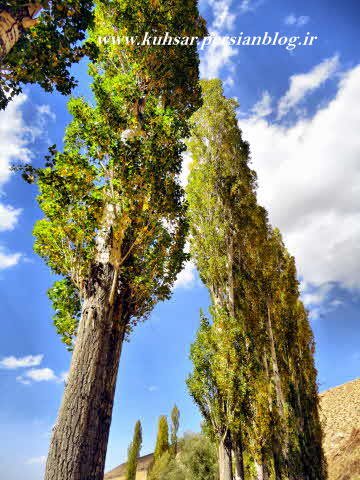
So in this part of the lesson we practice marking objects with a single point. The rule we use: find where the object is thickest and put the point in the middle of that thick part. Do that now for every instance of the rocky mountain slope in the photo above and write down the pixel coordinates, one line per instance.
(340, 413)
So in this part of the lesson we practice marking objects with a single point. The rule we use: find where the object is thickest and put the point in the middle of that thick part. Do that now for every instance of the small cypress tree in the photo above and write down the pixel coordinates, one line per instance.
(133, 452)
(162, 440)
(175, 421)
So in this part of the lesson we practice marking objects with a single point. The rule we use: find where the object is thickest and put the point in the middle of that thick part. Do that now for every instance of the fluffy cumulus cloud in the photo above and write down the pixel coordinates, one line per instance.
(299, 21)
(15, 138)
(11, 363)
(41, 375)
(309, 180)
(304, 83)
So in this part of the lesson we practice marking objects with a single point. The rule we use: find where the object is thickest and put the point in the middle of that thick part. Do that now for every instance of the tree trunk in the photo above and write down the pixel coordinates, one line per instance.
(79, 442)
(261, 472)
(275, 366)
(238, 455)
(225, 460)
(12, 24)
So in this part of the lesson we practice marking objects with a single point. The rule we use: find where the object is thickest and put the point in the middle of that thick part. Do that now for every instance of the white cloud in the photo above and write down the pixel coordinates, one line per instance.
(309, 181)
(36, 460)
(41, 374)
(223, 18)
(15, 138)
(293, 20)
(8, 217)
(304, 83)
(8, 260)
(263, 107)
(12, 362)
(216, 57)
(317, 297)
(186, 278)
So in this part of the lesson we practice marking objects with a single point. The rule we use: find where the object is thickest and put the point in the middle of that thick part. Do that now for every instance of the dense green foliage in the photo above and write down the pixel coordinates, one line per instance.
(196, 460)
(254, 378)
(133, 452)
(114, 189)
(45, 52)
(162, 439)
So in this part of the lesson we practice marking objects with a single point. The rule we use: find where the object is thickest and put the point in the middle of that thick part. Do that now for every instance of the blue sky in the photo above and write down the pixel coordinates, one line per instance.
(299, 110)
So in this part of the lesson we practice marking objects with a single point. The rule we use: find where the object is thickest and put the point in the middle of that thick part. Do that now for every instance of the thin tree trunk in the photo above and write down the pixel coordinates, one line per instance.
(12, 25)
(225, 459)
(79, 442)
(238, 455)
(275, 366)
(261, 471)
(239, 462)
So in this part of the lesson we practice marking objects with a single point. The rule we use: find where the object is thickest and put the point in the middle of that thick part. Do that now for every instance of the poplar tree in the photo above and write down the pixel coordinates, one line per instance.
(114, 221)
(245, 377)
(175, 422)
(133, 452)
(39, 41)
(162, 439)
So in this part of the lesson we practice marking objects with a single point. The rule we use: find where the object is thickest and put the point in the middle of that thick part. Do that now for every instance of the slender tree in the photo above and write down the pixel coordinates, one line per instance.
(133, 452)
(162, 439)
(205, 390)
(114, 224)
(175, 422)
(41, 50)
(245, 360)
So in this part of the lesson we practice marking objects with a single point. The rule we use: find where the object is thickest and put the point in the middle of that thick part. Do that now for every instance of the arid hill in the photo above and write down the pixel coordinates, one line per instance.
(340, 412)
(144, 464)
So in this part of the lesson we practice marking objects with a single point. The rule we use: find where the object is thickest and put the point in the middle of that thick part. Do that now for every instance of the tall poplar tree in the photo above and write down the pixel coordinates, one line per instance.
(133, 452)
(39, 40)
(245, 360)
(175, 422)
(114, 223)
(162, 439)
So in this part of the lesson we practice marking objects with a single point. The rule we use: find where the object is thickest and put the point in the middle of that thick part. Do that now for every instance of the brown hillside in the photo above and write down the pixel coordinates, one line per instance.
(144, 463)
(340, 412)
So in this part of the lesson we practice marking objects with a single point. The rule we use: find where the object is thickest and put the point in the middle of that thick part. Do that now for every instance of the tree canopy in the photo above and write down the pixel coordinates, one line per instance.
(246, 377)
(42, 50)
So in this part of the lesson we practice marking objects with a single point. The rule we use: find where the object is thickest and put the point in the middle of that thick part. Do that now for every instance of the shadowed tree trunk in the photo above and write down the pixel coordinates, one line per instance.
(225, 459)
(12, 24)
(238, 455)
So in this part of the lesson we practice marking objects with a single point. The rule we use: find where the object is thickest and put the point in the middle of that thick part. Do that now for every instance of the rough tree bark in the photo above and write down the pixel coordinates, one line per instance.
(225, 458)
(12, 25)
(80, 436)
